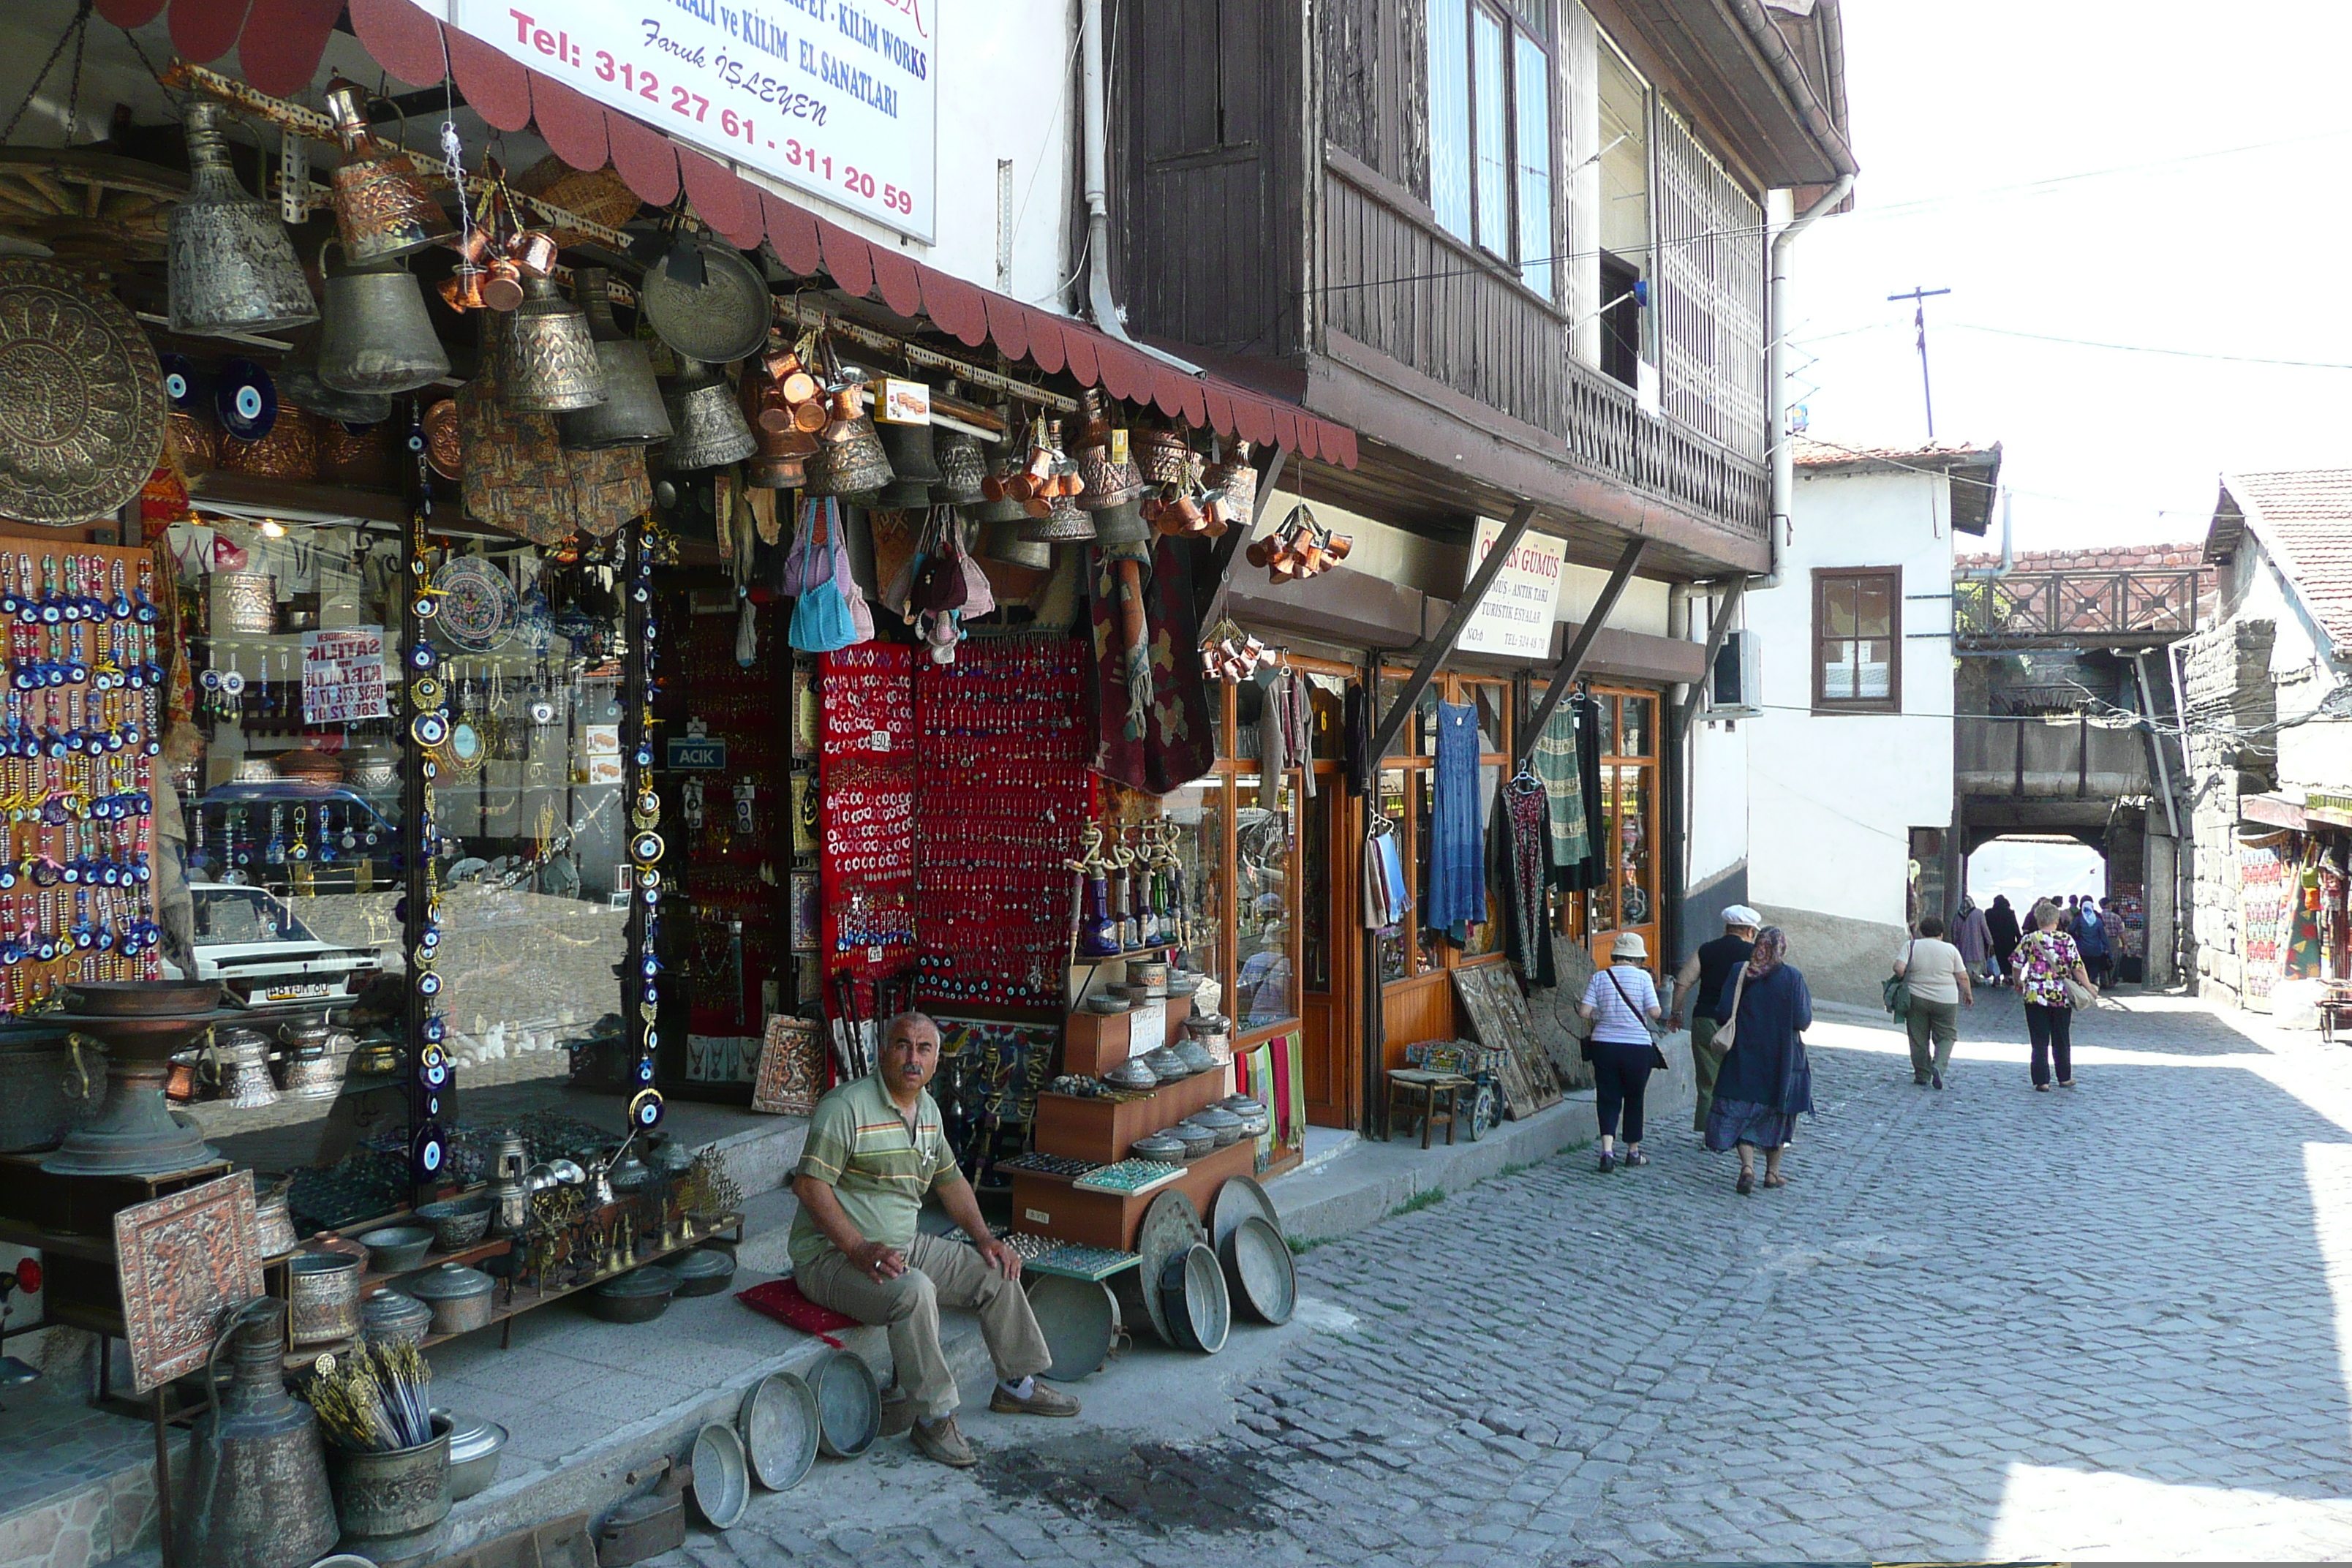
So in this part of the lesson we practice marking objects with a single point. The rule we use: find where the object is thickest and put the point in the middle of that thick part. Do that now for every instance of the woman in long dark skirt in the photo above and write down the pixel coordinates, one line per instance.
(1766, 1082)
(2001, 920)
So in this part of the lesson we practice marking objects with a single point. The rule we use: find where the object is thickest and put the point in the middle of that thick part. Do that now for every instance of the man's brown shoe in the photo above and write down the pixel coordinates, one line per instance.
(942, 1442)
(1042, 1401)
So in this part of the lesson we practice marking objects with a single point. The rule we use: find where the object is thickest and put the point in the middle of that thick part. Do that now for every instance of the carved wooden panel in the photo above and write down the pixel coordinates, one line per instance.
(184, 1260)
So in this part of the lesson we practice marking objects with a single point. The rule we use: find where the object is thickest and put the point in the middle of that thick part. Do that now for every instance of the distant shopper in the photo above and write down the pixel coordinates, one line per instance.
(2045, 961)
(1938, 974)
(2001, 920)
(1766, 1080)
(1618, 1002)
(1710, 970)
(2091, 937)
(1973, 937)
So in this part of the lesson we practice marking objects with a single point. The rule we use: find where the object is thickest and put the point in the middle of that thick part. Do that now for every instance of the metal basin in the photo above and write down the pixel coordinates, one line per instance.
(142, 998)
(722, 1477)
(396, 1248)
(779, 1426)
(1261, 1271)
(637, 1297)
(1079, 1319)
(473, 1451)
(323, 1289)
(458, 1223)
(849, 1404)
(1192, 1299)
(703, 1272)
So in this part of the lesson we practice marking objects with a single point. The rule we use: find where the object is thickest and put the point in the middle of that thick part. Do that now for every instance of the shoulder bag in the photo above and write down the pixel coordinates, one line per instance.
(1727, 1032)
(1896, 989)
(1657, 1057)
(2079, 996)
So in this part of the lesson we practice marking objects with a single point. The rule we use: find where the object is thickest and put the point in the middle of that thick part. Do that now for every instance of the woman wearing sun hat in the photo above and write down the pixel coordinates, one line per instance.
(1618, 1002)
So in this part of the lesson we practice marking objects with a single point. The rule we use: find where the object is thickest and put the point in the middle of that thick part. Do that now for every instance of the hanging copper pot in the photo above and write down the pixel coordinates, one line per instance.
(781, 462)
(708, 425)
(382, 207)
(550, 364)
(961, 470)
(374, 336)
(854, 468)
(230, 264)
(1164, 455)
(290, 451)
(631, 413)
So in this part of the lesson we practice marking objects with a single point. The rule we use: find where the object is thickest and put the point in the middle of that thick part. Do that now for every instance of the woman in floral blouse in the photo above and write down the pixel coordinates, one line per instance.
(2043, 963)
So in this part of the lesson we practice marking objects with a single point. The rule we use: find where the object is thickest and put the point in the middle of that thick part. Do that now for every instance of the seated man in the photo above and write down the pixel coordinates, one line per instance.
(875, 1147)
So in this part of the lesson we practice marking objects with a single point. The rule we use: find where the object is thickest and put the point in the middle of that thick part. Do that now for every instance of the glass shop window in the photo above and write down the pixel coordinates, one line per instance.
(1396, 941)
(1265, 988)
(1198, 810)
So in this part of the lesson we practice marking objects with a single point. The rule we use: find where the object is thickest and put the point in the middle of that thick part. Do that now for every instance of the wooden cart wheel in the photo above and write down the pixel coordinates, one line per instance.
(82, 203)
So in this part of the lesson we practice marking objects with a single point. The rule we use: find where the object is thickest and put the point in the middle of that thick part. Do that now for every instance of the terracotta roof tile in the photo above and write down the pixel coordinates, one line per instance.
(2303, 516)
(1811, 454)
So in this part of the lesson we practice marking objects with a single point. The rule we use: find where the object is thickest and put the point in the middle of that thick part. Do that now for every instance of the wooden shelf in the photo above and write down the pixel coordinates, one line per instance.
(521, 1303)
(492, 1246)
(1088, 1128)
(1050, 1206)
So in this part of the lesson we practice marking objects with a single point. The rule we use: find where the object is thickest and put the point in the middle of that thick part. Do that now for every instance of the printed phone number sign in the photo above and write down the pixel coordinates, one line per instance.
(1514, 619)
(342, 676)
(839, 100)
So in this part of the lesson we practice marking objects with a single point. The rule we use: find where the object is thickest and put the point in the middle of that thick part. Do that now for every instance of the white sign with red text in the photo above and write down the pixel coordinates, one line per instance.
(838, 98)
(1514, 619)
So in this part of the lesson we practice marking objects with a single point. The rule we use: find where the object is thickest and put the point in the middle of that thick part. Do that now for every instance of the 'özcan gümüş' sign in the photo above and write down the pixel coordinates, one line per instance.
(342, 676)
(1516, 617)
(840, 99)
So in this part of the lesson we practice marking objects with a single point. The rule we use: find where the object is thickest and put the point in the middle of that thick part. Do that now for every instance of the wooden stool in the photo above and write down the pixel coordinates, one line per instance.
(1414, 1086)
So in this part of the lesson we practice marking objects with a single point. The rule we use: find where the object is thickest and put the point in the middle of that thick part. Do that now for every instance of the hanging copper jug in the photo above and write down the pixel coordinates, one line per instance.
(708, 425)
(382, 207)
(550, 364)
(631, 413)
(256, 1488)
(1164, 455)
(374, 336)
(229, 263)
(1108, 483)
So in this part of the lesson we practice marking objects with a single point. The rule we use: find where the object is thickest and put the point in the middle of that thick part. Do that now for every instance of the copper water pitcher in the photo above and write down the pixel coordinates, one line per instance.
(382, 207)
(229, 262)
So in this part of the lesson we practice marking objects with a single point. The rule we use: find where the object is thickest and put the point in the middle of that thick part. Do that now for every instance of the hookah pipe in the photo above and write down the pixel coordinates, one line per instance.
(1088, 865)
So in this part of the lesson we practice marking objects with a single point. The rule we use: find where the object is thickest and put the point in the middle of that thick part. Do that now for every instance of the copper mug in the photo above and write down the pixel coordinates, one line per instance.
(502, 289)
(534, 253)
(463, 289)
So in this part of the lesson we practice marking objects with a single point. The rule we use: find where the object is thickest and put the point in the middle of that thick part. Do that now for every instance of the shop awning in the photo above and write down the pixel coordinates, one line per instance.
(282, 41)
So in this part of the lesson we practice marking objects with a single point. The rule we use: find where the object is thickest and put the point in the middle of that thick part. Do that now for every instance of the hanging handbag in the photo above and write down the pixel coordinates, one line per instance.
(1657, 1057)
(1896, 989)
(853, 598)
(821, 615)
(801, 570)
(1727, 1033)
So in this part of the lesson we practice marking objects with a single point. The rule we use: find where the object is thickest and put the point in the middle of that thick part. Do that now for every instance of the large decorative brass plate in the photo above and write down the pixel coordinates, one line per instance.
(81, 398)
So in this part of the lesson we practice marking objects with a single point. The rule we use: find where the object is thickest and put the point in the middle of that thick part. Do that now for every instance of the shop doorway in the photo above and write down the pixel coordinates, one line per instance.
(1330, 917)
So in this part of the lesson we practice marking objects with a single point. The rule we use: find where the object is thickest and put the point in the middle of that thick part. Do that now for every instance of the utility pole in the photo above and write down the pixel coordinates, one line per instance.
(1919, 298)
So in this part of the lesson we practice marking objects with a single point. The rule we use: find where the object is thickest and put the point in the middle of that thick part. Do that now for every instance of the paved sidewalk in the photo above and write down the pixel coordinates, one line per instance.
(1987, 1322)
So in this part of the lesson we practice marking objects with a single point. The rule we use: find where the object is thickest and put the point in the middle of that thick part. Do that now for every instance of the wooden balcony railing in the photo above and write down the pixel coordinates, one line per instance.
(2056, 609)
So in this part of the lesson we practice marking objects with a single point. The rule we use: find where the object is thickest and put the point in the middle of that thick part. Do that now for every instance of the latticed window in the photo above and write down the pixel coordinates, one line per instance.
(1711, 251)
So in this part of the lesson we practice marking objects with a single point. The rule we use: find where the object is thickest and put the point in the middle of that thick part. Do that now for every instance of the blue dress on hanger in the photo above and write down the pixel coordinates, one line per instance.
(1457, 861)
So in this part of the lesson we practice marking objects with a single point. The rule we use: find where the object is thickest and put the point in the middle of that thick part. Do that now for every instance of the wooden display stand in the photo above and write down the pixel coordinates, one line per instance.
(1101, 1131)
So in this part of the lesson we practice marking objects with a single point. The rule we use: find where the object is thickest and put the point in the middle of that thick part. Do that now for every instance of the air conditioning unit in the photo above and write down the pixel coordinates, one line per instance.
(1735, 689)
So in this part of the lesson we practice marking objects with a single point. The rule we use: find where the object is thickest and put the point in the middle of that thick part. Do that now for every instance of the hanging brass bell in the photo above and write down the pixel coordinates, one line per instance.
(854, 468)
(961, 470)
(382, 207)
(708, 427)
(913, 468)
(299, 385)
(550, 360)
(1122, 524)
(1108, 483)
(229, 263)
(374, 336)
(631, 413)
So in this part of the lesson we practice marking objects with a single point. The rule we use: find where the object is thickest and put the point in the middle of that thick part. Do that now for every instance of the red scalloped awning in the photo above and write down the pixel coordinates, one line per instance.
(289, 37)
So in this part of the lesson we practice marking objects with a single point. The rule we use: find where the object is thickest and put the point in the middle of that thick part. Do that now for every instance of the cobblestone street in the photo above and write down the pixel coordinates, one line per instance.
(1981, 1323)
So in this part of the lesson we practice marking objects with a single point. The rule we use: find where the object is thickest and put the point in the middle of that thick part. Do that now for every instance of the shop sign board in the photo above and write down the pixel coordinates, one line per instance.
(834, 98)
(698, 754)
(2334, 809)
(1514, 619)
(342, 676)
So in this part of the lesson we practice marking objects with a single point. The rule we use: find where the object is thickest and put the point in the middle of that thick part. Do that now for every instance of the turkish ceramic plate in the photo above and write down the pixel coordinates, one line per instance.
(779, 1424)
(476, 602)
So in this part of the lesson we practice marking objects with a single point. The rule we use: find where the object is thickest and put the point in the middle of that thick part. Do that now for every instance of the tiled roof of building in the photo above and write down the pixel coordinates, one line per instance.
(1812, 454)
(2095, 558)
(2303, 518)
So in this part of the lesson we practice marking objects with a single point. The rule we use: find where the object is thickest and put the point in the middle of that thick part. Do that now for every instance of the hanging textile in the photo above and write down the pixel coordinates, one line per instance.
(1518, 842)
(1457, 862)
(1357, 745)
(1179, 740)
(1567, 762)
(1388, 896)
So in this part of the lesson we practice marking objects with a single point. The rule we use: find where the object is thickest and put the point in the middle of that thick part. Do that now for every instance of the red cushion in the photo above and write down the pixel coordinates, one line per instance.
(782, 1300)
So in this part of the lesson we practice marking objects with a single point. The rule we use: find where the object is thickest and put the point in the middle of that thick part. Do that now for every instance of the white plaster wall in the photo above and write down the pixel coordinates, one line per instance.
(1832, 798)
(1641, 607)
(1719, 800)
(2316, 755)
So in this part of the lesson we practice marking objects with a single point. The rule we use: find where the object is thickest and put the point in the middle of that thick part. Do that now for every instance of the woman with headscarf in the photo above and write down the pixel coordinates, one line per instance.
(2001, 921)
(1973, 936)
(1766, 1082)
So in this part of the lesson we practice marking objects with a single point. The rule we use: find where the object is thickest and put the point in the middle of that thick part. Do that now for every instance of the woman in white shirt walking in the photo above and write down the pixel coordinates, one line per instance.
(1618, 1002)
(1938, 974)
